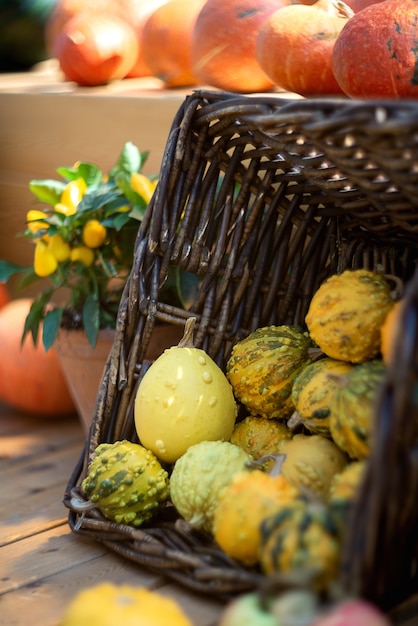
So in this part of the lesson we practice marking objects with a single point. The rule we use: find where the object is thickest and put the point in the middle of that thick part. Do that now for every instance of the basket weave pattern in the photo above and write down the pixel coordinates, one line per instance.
(263, 198)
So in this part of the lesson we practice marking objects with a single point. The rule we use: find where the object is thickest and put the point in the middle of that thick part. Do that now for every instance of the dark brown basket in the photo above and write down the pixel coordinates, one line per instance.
(263, 198)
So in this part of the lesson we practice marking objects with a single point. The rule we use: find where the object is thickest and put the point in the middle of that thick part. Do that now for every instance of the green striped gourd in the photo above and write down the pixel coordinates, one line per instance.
(352, 406)
(262, 367)
(126, 482)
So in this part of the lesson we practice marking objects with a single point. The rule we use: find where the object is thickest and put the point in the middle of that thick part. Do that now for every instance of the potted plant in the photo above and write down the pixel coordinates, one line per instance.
(84, 235)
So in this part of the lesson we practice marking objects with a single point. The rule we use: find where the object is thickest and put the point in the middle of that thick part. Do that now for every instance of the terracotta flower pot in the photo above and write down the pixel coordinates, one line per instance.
(83, 365)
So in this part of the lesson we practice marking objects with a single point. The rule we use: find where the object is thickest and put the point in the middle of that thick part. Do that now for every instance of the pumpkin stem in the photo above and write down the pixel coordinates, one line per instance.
(187, 340)
(336, 8)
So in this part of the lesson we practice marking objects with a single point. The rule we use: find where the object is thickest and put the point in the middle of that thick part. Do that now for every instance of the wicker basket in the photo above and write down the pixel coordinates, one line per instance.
(262, 198)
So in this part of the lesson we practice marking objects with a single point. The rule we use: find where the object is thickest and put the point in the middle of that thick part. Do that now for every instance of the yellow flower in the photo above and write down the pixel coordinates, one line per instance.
(94, 234)
(45, 262)
(83, 254)
(71, 196)
(34, 220)
(59, 248)
(143, 186)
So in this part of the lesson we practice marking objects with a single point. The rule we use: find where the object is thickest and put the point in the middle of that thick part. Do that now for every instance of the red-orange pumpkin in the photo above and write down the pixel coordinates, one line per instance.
(30, 378)
(95, 48)
(375, 55)
(223, 44)
(294, 47)
(359, 5)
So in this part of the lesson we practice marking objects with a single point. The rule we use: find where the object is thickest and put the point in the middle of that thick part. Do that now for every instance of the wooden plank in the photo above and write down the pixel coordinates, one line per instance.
(29, 436)
(36, 513)
(34, 475)
(43, 601)
(42, 555)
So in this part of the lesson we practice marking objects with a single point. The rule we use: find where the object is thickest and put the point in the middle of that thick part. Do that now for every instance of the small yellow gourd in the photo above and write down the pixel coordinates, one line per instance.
(251, 497)
(259, 436)
(312, 392)
(343, 491)
(389, 330)
(108, 604)
(311, 461)
(183, 398)
(346, 314)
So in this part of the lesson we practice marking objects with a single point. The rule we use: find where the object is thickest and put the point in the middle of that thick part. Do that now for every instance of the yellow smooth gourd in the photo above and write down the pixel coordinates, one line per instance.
(183, 399)
(108, 604)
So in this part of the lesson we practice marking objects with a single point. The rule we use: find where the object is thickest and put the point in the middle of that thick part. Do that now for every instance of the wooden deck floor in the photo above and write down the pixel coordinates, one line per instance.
(42, 563)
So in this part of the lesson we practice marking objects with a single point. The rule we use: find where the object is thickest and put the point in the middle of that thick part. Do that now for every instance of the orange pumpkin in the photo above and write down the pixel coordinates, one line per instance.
(166, 42)
(30, 378)
(375, 54)
(294, 48)
(64, 10)
(359, 5)
(96, 48)
(223, 44)
(4, 295)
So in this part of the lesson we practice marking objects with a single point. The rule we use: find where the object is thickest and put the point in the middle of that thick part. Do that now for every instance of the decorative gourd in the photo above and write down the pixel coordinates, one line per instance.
(311, 462)
(389, 330)
(200, 475)
(352, 612)
(262, 367)
(108, 604)
(346, 313)
(389, 29)
(183, 398)
(126, 482)
(343, 491)
(351, 418)
(302, 535)
(292, 607)
(251, 497)
(259, 436)
(312, 391)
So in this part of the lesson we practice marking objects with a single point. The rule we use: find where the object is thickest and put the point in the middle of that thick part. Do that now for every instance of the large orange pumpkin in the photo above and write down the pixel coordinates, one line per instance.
(30, 378)
(223, 44)
(375, 55)
(166, 42)
(294, 48)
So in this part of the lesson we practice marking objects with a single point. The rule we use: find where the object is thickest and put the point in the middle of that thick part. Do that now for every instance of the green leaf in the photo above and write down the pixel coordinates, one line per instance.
(97, 198)
(91, 318)
(90, 173)
(48, 191)
(130, 160)
(28, 278)
(187, 287)
(34, 318)
(51, 324)
(8, 269)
